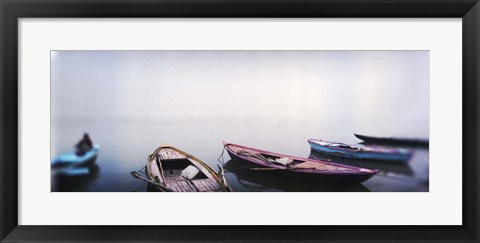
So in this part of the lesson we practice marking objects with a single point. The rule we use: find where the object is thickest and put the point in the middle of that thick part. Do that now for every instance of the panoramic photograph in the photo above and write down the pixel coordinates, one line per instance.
(239, 121)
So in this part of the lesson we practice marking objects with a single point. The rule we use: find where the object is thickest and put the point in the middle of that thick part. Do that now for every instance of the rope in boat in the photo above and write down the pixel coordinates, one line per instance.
(142, 170)
(221, 155)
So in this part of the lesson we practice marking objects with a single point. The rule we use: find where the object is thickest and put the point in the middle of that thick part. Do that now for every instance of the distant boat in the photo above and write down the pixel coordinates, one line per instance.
(71, 164)
(360, 152)
(298, 167)
(170, 169)
(393, 140)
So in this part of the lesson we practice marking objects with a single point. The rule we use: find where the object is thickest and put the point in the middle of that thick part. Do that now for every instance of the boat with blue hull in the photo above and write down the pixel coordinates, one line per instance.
(287, 165)
(72, 164)
(360, 152)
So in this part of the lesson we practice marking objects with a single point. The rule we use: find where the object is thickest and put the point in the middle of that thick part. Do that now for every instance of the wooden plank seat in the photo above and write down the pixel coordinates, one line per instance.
(205, 185)
(179, 184)
(170, 154)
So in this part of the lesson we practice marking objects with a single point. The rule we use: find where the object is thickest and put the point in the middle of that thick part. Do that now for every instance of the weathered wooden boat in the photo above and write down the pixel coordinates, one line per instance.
(360, 152)
(393, 140)
(170, 169)
(71, 164)
(298, 167)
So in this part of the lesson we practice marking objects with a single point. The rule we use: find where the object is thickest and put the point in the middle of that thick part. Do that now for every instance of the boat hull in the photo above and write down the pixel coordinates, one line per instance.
(152, 187)
(393, 141)
(362, 155)
(356, 177)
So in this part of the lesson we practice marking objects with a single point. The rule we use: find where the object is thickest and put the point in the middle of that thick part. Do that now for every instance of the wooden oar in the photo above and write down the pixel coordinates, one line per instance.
(254, 155)
(138, 176)
(222, 174)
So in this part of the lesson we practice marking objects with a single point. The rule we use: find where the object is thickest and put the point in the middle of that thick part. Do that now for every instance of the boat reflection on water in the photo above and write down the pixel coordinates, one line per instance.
(386, 167)
(393, 145)
(74, 182)
(242, 179)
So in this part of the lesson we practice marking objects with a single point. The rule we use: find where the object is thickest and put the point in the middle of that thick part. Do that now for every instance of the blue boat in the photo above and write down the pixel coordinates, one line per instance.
(360, 152)
(71, 164)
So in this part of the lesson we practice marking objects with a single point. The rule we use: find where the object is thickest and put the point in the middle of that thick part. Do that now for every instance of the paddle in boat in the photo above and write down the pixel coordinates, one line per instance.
(298, 167)
(171, 170)
(394, 140)
(360, 152)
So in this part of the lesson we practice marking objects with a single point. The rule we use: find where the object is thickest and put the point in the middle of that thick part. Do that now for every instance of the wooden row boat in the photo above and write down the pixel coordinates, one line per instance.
(298, 167)
(360, 152)
(171, 169)
(393, 140)
(71, 164)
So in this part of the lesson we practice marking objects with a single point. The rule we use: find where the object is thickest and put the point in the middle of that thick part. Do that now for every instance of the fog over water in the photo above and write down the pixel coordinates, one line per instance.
(130, 102)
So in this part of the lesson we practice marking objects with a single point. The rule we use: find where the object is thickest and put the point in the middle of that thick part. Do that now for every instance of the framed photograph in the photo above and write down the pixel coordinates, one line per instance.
(309, 118)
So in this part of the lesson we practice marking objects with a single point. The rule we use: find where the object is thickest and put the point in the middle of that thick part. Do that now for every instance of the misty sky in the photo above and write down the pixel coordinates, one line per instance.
(186, 86)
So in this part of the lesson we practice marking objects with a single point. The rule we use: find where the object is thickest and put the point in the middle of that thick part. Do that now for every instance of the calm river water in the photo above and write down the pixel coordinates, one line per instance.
(130, 102)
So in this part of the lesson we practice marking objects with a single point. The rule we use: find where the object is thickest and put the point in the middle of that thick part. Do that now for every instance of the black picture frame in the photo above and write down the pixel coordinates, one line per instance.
(12, 10)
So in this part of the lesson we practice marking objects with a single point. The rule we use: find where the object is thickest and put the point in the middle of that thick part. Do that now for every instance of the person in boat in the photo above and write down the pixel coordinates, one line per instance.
(84, 145)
